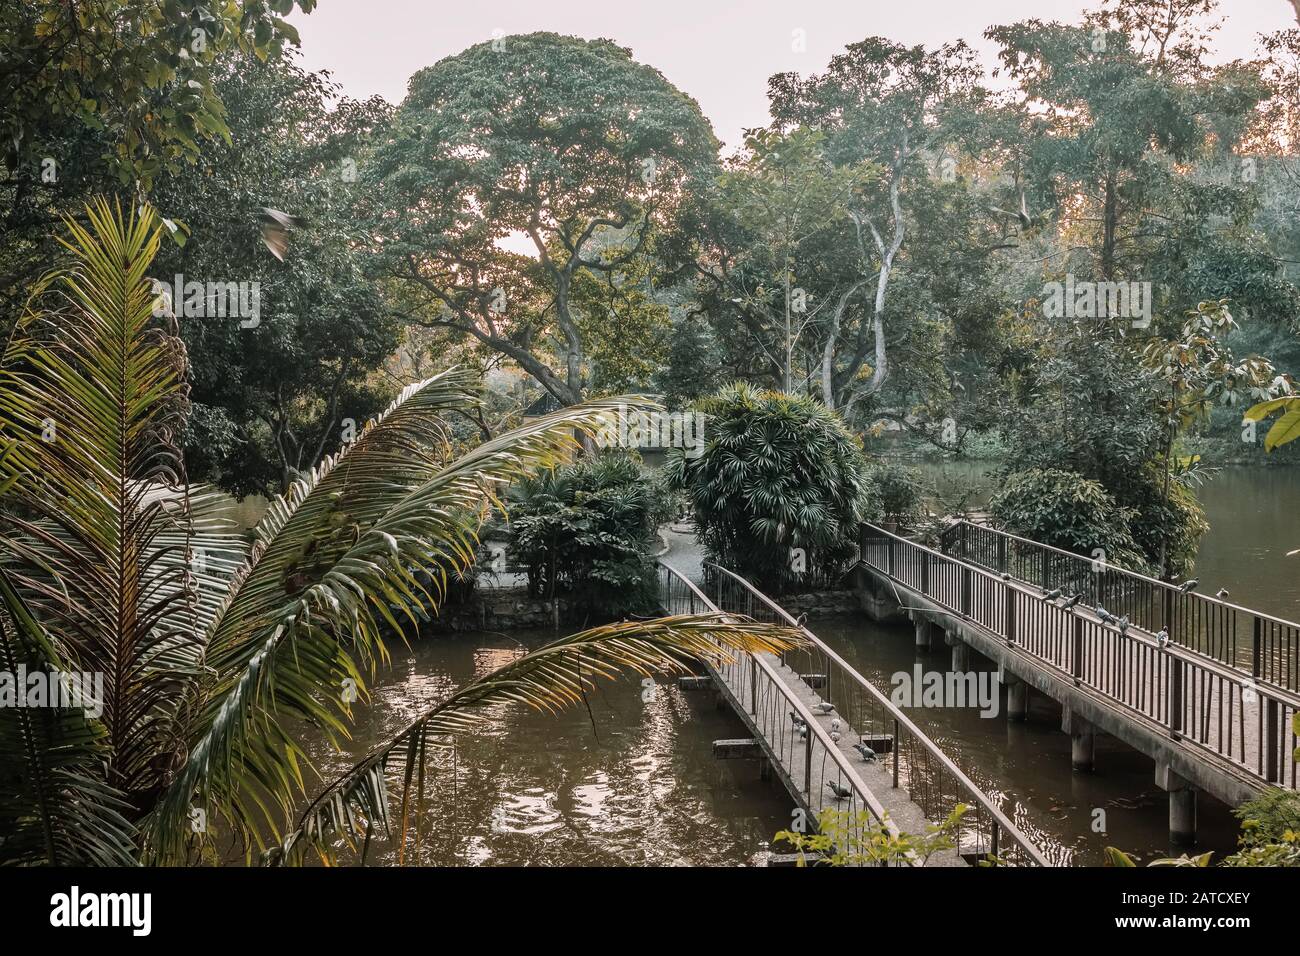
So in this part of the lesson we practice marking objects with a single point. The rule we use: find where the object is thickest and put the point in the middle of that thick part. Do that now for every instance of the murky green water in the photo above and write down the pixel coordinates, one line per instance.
(633, 782)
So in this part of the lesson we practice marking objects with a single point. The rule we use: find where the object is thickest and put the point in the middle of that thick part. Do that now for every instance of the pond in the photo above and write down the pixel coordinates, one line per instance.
(632, 782)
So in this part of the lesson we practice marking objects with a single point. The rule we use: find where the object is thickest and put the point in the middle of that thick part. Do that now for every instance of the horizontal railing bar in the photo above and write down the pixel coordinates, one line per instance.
(1137, 575)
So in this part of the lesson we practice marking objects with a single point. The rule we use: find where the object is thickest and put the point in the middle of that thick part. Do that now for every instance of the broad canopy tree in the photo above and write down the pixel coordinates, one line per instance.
(565, 147)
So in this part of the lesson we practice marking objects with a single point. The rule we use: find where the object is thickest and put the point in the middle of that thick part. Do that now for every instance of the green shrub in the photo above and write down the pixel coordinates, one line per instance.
(900, 491)
(1068, 511)
(586, 530)
(777, 472)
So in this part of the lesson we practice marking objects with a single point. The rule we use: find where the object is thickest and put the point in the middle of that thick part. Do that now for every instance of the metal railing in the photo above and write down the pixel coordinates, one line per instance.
(769, 702)
(1218, 708)
(915, 763)
(1259, 645)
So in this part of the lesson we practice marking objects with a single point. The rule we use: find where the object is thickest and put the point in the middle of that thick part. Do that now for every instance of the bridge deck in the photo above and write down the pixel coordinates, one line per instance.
(808, 780)
(908, 788)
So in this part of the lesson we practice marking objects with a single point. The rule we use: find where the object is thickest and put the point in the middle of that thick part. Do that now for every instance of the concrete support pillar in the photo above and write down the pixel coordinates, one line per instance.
(960, 655)
(1182, 805)
(1017, 697)
(924, 633)
(1083, 738)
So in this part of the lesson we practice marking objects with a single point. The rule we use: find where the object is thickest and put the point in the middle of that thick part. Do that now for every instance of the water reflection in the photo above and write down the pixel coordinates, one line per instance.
(627, 782)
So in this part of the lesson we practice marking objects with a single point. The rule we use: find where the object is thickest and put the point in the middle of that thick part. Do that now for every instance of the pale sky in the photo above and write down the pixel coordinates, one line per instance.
(719, 51)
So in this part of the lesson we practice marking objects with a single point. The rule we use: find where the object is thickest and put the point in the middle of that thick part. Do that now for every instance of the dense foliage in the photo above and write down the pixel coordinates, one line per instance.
(780, 489)
(585, 531)
(1068, 511)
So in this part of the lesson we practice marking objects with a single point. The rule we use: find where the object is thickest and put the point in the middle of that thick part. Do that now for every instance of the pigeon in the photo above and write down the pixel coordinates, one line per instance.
(835, 723)
(1052, 595)
(275, 229)
(1006, 576)
(795, 719)
(823, 707)
(1188, 585)
(841, 793)
(1072, 603)
(1162, 638)
(1221, 593)
(1104, 614)
(1122, 624)
(868, 755)
(835, 736)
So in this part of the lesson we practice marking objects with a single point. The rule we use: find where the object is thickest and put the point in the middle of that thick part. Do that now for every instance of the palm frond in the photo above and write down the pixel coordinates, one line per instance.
(357, 804)
(55, 807)
(99, 531)
(350, 555)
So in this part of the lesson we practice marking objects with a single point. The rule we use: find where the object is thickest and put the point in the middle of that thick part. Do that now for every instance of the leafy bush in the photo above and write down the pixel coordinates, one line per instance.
(901, 492)
(586, 530)
(777, 472)
(1068, 511)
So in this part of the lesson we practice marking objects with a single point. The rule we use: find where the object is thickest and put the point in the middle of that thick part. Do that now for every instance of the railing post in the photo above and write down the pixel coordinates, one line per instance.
(1175, 697)
(1256, 647)
(925, 572)
(965, 590)
(963, 540)
(1077, 669)
(993, 849)
(1009, 602)
(1271, 765)
(1002, 554)
(1047, 570)
(753, 685)
(891, 541)
(898, 748)
(807, 765)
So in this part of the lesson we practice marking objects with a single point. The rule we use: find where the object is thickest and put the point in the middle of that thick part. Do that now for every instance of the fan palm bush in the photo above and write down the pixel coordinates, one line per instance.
(780, 488)
(586, 530)
(212, 653)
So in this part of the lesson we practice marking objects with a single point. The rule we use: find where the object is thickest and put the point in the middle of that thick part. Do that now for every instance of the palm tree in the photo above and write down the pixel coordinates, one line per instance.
(212, 651)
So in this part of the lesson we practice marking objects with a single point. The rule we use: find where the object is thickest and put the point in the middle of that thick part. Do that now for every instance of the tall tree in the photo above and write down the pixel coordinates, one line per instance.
(896, 107)
(565, 145)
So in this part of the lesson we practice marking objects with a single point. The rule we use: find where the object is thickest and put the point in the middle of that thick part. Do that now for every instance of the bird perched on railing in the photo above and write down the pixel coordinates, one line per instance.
(1162, 638)
(1006, 576)
(823, 707)
(1052, 595)
(1105, 615)
(841, 792)
(1121, 622)
(1072, 603)
(868, 755)
(835, 723)
(1221, 593)
(1190, 585)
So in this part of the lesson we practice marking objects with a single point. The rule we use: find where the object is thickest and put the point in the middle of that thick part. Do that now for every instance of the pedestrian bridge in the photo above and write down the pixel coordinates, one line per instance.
(907, 784)
(1206, 688)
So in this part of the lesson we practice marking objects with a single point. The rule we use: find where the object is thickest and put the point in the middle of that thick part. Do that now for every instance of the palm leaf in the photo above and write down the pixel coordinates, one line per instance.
(310, 611)
(55, 808)
(100, 528)
(550, 678)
